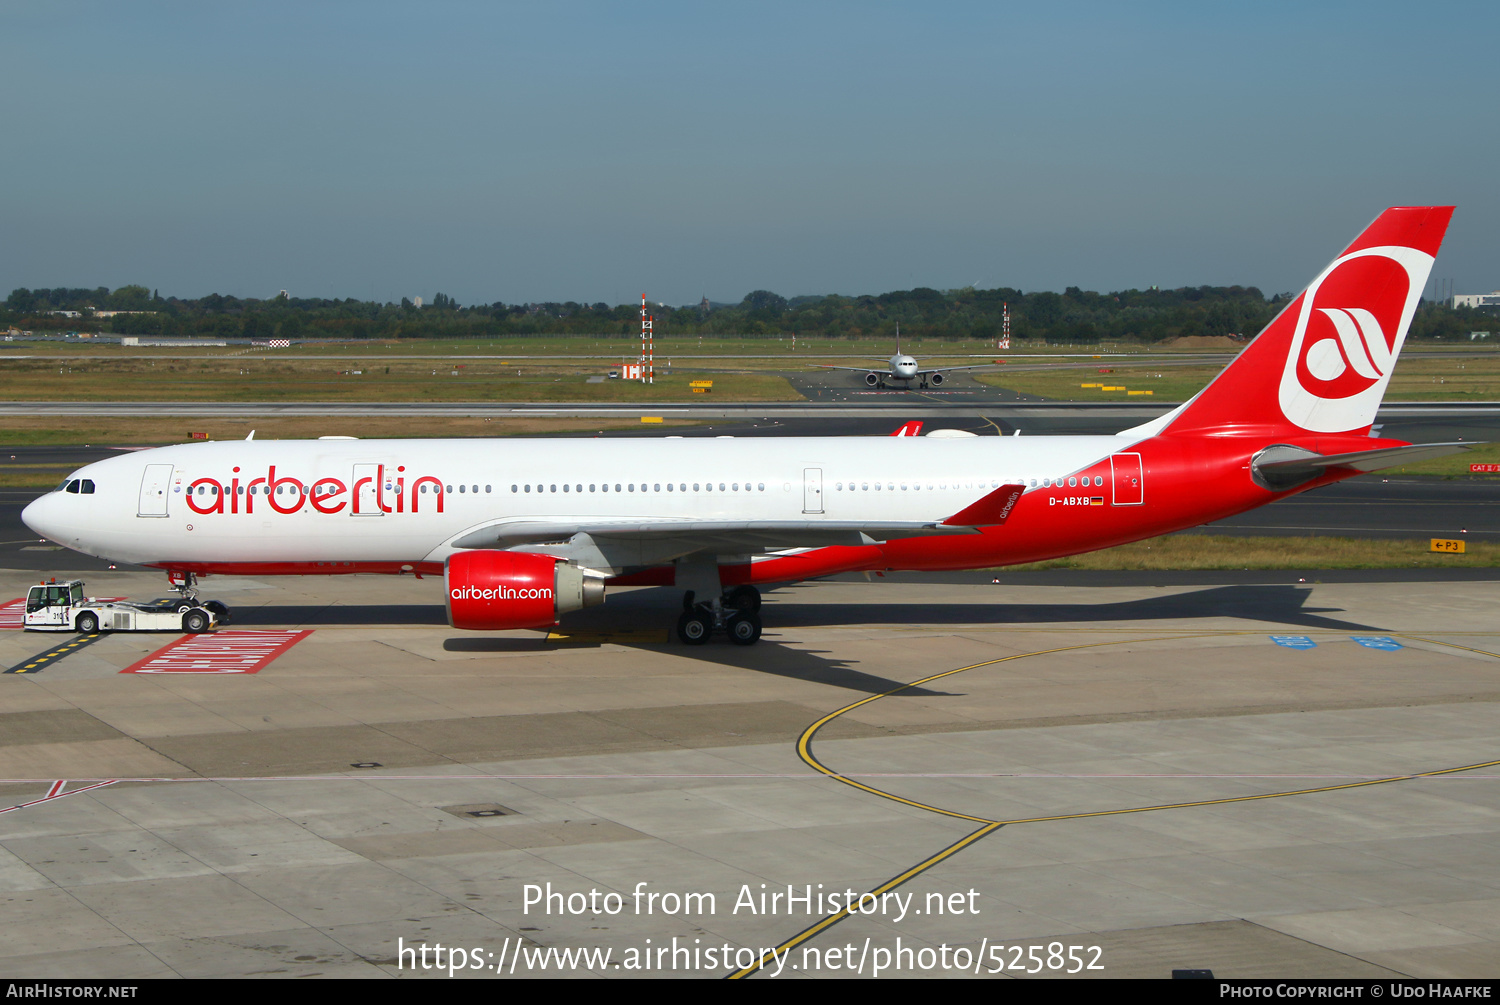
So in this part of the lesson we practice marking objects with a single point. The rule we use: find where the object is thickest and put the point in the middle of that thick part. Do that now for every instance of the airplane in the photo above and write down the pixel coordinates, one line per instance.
(903, 368)
(524, 531)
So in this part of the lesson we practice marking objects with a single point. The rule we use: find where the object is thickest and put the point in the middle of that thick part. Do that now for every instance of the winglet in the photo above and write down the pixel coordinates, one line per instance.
(991, 511)
(913, 428)
(251, 436)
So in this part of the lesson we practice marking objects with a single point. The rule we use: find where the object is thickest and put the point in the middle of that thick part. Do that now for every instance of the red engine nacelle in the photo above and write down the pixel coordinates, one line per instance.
(492, 590)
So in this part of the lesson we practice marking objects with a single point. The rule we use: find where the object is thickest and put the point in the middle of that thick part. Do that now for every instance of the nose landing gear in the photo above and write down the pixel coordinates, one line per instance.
(736, 612)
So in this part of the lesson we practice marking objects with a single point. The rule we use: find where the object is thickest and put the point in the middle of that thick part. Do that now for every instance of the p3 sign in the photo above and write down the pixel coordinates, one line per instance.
(1294, 641)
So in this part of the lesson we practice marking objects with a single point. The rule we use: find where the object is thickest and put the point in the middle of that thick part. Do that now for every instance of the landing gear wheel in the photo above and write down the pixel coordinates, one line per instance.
(195, 622)
(744, 628)
(88, 623)
(694, 627)
(743, 598)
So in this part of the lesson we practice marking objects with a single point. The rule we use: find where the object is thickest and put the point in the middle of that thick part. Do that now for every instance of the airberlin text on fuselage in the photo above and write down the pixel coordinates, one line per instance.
(378, 493)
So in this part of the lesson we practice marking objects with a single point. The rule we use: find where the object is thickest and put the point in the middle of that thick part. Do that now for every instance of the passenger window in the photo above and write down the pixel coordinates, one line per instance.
(460, 488)
(513, 488)
(449, 488)
(631, 486)
(669, 486)
(565, 486)
(761, 487)
(656, 487)
(591, 486)
(424, 488)
(617, 486)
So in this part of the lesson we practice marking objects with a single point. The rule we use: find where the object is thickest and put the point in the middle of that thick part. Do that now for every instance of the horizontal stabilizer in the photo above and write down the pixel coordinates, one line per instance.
(991, 511)
(1283, 467)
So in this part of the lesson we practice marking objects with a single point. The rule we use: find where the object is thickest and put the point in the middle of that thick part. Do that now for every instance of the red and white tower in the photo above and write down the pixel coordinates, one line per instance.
(648, 370)
(1004, 342)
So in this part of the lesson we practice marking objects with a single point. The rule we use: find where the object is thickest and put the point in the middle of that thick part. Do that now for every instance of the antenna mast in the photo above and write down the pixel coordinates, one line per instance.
(1004, 326)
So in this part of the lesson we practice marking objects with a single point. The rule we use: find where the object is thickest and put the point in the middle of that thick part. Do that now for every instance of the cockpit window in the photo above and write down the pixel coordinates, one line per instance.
(72, 486)
(86, 486)
(62, 485)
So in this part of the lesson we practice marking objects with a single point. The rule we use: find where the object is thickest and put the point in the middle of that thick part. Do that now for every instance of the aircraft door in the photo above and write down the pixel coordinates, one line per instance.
(1129, 479)
(366, 495)
(156, 484)
(812, 490)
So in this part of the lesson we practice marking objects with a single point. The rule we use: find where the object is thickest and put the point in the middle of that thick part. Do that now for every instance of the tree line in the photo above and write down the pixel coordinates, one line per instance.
(1073, 316)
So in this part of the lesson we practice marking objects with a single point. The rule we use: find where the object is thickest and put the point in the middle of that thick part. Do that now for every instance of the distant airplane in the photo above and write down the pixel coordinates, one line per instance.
(905, 369)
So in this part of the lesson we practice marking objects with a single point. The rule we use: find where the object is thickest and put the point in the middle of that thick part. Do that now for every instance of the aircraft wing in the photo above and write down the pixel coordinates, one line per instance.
(950, 369)
(753, 536)
(883, 365)
(749, 537)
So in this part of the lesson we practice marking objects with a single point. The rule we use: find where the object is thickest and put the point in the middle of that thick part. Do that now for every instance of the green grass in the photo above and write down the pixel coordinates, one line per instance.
(1203, 551)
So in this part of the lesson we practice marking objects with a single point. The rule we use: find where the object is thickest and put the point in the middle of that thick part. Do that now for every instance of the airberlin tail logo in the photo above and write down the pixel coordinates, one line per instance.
(1350, 325)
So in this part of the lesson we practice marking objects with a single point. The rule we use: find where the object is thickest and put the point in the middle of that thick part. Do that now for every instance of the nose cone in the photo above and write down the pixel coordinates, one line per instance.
(42, 516)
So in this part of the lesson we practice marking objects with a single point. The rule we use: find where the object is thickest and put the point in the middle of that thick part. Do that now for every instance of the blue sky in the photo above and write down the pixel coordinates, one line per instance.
(595, 151)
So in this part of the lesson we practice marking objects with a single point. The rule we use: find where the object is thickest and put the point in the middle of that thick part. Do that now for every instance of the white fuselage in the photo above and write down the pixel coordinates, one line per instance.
(345, 500)
(903, 367)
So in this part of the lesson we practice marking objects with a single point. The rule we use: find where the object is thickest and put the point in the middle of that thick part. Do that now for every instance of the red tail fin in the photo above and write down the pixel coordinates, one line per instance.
(1323, 364)
(912, 428)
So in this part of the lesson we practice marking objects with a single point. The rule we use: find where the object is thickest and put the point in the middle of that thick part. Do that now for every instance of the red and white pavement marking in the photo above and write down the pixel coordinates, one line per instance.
(219, 652)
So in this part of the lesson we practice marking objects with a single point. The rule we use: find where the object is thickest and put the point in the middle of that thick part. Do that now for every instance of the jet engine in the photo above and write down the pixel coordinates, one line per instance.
(492, 590)
(935, 379)
(872, 379)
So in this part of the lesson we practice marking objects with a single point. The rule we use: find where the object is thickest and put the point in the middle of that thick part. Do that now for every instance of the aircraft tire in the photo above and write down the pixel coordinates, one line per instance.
(744, 628)
(88, 623)
(694, 627)
(743, 598)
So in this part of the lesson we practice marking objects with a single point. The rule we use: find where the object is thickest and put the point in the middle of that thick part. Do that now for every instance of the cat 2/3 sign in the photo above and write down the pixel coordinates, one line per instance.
(1447, 545)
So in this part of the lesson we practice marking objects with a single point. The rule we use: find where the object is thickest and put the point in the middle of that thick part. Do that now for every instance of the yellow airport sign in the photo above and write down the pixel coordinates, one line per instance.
(650, 418)
(1447, 545)
(1140, 392)
(1090, 385)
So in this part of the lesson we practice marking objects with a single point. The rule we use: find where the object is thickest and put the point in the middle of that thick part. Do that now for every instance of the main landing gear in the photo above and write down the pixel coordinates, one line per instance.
(737, 612)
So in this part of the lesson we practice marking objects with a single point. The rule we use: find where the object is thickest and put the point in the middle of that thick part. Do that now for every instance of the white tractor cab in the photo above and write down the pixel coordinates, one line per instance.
(62, 607)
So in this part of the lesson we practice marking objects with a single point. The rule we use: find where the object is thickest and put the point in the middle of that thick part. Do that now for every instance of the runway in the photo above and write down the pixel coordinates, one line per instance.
(1260, 778)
